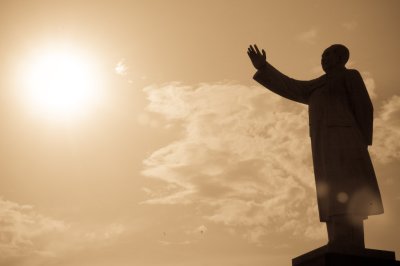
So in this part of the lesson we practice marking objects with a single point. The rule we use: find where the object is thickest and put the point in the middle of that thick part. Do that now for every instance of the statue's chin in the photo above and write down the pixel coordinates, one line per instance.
(325, 68)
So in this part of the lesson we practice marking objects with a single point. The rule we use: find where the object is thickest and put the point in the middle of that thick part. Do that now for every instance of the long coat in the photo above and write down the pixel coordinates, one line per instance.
(341, 120)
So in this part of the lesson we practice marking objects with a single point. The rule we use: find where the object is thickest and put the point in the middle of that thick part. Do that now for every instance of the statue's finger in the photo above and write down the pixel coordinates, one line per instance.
(258, 51)
(251, 49)
(264, 54)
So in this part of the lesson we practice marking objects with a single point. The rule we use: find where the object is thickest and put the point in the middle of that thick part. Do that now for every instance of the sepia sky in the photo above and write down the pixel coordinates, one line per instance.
(173, 155)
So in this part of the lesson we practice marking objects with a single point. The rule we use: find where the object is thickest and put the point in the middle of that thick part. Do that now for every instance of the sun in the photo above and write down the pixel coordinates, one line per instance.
(60, 83)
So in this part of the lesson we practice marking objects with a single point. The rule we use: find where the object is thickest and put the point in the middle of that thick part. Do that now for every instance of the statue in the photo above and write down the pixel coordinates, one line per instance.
(340, 119)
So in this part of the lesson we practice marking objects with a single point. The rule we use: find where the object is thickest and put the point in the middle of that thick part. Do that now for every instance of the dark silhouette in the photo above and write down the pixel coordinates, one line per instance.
(340, 118)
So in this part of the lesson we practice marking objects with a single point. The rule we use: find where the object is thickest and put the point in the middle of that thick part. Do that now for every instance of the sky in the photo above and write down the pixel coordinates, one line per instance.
(172, 154)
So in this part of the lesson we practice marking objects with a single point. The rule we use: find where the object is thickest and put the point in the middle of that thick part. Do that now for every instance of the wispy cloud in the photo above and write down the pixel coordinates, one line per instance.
(308, 36)
(245, 156)
(370, 84)
(245, 153)
(190, 236)
(109, 232)
(121, 68)
(350, 25)
(22, 230)
(386, 146)
(26, 235)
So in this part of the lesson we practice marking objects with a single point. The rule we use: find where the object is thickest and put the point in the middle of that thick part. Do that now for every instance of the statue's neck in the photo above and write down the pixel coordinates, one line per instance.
(335, 71)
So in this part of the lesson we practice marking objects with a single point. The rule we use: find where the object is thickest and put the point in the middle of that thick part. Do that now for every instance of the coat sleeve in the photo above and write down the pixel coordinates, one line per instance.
(275, 81)
(361, 105)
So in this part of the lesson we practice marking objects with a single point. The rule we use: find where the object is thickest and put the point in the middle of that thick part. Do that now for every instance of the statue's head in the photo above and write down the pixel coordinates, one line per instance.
(334, 57)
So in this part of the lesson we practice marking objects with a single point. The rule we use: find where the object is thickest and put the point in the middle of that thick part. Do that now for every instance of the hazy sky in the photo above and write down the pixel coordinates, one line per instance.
(178, 157)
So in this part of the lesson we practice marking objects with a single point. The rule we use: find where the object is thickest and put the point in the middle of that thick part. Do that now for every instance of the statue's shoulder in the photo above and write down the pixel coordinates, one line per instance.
(352, 73)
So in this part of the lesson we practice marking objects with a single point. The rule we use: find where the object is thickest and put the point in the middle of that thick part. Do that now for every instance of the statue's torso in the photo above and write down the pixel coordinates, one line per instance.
(329, 104)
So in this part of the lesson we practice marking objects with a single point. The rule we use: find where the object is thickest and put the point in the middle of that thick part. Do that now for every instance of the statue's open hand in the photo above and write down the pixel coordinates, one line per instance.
(259, 59)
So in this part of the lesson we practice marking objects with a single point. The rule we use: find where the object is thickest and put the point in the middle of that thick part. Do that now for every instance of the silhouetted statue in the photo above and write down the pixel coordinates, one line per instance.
(340, 118)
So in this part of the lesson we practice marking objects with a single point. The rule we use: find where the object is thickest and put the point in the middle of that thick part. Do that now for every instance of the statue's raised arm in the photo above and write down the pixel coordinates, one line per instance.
(275, 81)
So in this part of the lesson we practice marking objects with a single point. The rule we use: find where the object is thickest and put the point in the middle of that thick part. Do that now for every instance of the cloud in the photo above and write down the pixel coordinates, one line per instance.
(30, 238)
(370, 84)
(147, 120)
(121, 68)
(191, 236)
(198, 232)
(386, 146)
(106, 233)
(308, 36)
(23, 231)
(245, 154)
(350, 25)
(202, 229)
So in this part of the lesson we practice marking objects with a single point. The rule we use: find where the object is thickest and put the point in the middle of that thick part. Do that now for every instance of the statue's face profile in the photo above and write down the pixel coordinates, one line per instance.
(330, 60)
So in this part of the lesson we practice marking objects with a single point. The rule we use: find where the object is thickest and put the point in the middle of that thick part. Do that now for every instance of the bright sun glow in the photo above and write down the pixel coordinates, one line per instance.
(60, 83)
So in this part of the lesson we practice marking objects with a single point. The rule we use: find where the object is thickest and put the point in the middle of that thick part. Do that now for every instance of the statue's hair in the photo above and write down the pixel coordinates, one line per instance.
(342, 51)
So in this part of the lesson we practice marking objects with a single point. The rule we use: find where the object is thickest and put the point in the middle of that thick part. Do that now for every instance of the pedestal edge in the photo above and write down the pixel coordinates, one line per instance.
(321, 251)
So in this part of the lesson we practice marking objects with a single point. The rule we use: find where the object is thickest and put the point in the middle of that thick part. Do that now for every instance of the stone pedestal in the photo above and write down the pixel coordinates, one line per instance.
(325, 257)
